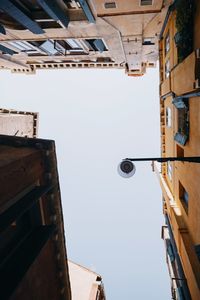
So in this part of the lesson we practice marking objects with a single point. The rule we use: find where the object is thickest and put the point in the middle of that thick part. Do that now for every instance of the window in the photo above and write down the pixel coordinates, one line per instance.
(197, 250)
(6, 50)
(168, 117)
(167, 43)
(73, 43)
(69, 46)
(110, 5)
(169, 170)
(170, 250)
(48, 47)
(72, 4)
(146, 2)
(97, 45)
(184, 197)
(167, 68)
(147, 41)
(53, 47)
(61, 46)
(182, 104)
(24, 46)
(76, 46)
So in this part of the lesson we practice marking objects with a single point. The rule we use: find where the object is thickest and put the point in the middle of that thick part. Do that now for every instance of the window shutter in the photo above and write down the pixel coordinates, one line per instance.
(180, 138)
(170, 251)
(197, 250)
(180, 293)
(97, 44)
(6, 50)
(179, 102)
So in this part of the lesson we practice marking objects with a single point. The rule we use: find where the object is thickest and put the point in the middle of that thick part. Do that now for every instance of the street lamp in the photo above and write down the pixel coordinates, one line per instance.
(126, 168)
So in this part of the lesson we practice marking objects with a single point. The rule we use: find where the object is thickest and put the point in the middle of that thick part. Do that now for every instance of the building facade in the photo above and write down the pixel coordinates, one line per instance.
(85, 284)
(18, 123)
(33, 259)
(80, 34)
(180, 137)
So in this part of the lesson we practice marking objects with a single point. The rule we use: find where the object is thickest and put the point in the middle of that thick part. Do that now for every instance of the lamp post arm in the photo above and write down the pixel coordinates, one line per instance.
(194, 159)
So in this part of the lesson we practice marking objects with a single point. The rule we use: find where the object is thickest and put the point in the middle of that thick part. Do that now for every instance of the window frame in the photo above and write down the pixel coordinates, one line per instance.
(145, 2)
(110, 5)
(167, 43)
(184, 197)
(168, 117)
(169, 170)
(167, 68)
(183, 120)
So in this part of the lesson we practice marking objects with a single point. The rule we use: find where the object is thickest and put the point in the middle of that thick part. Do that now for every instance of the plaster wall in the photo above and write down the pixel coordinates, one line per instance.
(183, 78)
(83, 282)
(18, 125)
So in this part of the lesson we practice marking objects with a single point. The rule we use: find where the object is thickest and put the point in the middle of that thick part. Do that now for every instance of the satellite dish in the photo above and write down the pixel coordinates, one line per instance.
(126, 168)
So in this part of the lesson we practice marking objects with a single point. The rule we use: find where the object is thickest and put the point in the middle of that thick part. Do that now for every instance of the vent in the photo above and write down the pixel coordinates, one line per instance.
(110, 5)
(146, 2)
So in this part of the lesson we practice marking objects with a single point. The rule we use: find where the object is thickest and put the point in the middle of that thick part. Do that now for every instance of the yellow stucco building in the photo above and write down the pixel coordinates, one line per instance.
(180, 137)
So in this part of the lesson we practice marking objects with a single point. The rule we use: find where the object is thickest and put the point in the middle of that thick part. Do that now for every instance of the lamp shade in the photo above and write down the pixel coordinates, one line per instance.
(126, 168)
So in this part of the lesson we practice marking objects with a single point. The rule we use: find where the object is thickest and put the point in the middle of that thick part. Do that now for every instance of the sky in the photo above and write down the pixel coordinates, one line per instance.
(97, 118)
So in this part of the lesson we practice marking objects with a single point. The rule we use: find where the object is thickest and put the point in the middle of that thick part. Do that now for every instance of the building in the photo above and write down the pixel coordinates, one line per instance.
(85, 284)
(18, 123)
(80, 34)
(180, 137)
(33, 259)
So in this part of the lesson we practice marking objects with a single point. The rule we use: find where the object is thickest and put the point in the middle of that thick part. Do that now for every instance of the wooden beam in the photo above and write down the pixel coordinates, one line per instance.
(21, 206)
(87, 10)
(53, 9)
(14, 267)
(20, 168)
(7, 50)
(13, 11)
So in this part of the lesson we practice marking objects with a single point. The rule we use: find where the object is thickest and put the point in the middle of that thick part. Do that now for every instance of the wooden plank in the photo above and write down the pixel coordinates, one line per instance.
(20, 207)
(19, 168)
(15, 266)
(14, 12)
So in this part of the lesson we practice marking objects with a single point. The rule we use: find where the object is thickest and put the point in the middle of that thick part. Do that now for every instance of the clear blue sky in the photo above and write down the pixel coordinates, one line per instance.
(98, 117)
